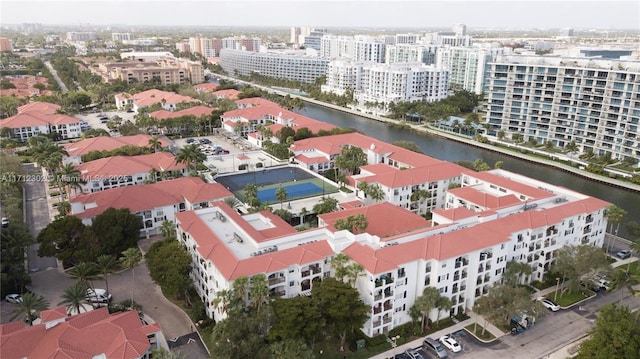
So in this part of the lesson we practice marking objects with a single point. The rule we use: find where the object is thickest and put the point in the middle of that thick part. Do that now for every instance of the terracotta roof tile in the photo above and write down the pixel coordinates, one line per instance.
(127, 165)
(105, 143)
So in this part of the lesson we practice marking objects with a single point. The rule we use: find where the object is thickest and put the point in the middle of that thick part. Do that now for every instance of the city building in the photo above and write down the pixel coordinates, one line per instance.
(119, 171)
(154, 202)
(410, 53)
(75, 150)
(169, 100)
(593, 103)
(94, 334)
(386, 84)
(355, 48)
(290, 65)
(120, 36)
(467, 65)
(81, 36)
(41, 118)
(154, 67)
(298, 34)
(314, 39)
(492, 218)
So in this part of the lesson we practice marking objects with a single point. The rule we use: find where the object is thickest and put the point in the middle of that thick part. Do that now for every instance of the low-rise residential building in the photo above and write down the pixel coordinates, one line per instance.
(94, 334)
(26, 86)
(41, 118)
(493, 218)
(119, 171)
(169, 100)
(154, 202)
(165, 71)
(75, 150)
(194, 112)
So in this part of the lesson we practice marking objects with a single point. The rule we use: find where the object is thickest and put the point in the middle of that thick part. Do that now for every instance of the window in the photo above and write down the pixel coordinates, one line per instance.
(291, 284)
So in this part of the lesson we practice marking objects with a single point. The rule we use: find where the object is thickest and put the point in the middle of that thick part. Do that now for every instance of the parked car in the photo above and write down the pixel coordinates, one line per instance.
(549, 304)
(623, 254)
(104, 119)
(190, 140)
(130, 110)
(205, 141)
(413, 354)
(450, 343)
(13, 298)
(5, 222)
(433, 347)
(98, 295)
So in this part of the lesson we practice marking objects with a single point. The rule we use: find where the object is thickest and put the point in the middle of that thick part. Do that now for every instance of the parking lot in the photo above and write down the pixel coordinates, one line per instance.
(93, 119)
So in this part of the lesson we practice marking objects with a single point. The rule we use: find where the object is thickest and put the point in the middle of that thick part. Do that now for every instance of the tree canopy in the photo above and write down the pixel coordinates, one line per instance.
(169, 266)
(616, 334)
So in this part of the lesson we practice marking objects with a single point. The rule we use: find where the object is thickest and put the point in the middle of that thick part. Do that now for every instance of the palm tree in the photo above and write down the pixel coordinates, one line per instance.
(190, 155)
(232, 202)
(614, 215)
(339, 264)
(239, 292)
(69, 177)
(73, 298)
(30, 306)
(281, 195)
(84, 273)
(442, 304)
(354, 270)
(251, 195)
(64, 208)
(105, 265)
(155, 143)
(167, 230)
(426, 303)
(130, 259)
(258, 290)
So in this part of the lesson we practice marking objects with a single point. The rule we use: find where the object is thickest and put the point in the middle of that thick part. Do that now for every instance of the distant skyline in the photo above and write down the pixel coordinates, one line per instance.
(514, 14)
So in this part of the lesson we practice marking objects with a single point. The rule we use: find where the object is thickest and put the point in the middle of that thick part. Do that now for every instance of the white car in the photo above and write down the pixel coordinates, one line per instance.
(549, 304)
(450, 343)
(5, 222)
(13, 298)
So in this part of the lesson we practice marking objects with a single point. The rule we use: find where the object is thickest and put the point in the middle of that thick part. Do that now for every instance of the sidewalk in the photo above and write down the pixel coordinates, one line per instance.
(435, 335)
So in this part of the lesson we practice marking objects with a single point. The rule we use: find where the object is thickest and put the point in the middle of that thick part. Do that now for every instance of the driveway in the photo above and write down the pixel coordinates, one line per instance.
(173, 321)
(36, 217)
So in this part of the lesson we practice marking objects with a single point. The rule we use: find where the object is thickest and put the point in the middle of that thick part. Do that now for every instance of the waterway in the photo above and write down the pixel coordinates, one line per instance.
(453, 151)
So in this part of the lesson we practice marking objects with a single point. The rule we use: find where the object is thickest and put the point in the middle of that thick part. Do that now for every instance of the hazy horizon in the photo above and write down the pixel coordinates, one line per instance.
(355, 13)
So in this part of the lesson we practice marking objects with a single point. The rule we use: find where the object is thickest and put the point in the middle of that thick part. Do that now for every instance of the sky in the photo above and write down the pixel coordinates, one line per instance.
(603, 14)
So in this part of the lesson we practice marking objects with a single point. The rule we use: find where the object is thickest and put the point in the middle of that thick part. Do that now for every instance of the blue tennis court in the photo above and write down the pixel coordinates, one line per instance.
(264, 177)
(293, 191)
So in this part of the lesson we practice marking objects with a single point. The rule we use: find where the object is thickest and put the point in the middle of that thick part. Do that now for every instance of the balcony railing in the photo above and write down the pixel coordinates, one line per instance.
(274, 281)
(386, 320)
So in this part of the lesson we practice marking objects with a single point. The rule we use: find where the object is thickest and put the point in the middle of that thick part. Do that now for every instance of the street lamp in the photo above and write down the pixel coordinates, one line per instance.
(555, 296)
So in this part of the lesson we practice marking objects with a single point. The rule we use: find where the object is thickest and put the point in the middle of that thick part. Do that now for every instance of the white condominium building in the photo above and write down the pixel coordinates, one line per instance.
(341, 76)
(355, 48)
(595, 103)
(290, 65)
(399, 82)
(467, 65)
(410, 53)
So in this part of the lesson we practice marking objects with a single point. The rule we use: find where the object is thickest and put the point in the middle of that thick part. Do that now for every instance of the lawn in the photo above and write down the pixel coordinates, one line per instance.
(478, 333)
(570, 297)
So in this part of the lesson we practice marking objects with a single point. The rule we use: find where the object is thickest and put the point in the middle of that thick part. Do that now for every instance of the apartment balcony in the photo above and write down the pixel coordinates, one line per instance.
(277, 293)
(376, 323)
(377, 310)
(378, 297)
(274, 281)
(387, 306)
(386, 320)
(464, 274)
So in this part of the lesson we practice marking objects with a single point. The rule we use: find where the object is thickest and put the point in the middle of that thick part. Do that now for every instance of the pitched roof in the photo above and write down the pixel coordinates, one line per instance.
(87, 335)
(393, 177)
(44, 107)
(459, 242)
(206, 86)
(230, 94)
(153, 96)
(127, 165)
(106, 143)
(507, 183)
(149, 196)
(214, 249)
(483, 199)
(332, 145)
(383, 219)
(197, 111)
(34, 118)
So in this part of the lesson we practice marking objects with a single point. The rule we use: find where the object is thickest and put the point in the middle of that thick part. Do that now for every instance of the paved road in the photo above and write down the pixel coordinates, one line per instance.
(173, 321)
(54, 73)
(37, 218)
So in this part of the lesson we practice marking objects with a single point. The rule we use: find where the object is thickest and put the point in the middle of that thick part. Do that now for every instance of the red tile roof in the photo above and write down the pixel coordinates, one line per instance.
(207, 87)
(127, 165)
(44, 107)
(149, 196)
(332, 145)
(384, 219)
(34, 118)
(256, 101)
(230, 94)
(456, 243)
(214, 249)
(197, 111)
(518, 187)
(87, 335)
(483, 199)
(455, 213)
(394, 177)
(105, 143)
(153, 96)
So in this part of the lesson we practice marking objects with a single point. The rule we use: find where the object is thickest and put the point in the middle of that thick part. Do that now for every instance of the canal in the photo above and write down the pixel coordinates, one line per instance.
(452, 151)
